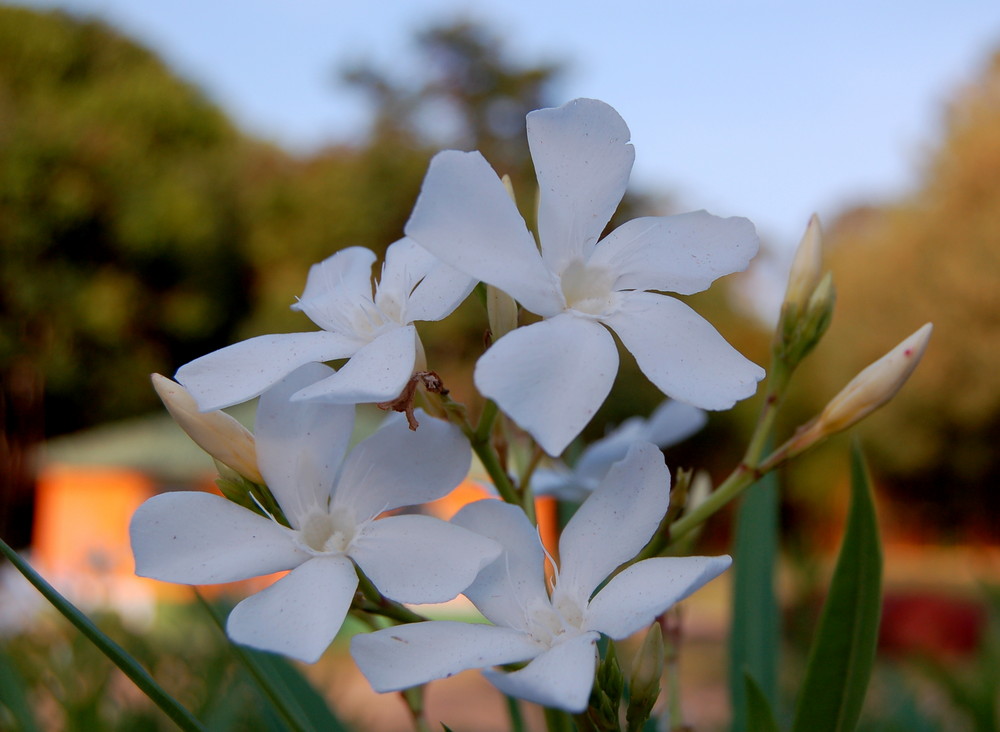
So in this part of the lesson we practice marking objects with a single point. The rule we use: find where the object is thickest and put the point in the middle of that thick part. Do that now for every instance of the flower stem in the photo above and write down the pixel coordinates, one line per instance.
(118, 655)
(376, 603)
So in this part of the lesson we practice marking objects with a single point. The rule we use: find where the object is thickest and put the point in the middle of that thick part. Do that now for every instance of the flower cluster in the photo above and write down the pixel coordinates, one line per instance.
(324, 513)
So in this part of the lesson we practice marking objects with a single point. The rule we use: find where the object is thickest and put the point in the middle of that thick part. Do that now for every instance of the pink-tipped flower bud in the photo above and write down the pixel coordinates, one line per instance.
(216, 432)
(876, 384)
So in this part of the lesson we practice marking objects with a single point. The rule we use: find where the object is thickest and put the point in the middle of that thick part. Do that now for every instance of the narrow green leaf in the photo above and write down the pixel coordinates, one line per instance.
(840, 662)
(118, 655)
(13, 695)
(760, 716)
(755, 637)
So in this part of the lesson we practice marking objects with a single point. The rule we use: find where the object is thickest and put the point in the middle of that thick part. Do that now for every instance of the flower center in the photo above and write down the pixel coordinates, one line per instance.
(328, 533)
(587, 289)
(550, 620)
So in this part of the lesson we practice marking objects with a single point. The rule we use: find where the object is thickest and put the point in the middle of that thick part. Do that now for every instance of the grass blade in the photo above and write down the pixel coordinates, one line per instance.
(118, 655)
(840, 662)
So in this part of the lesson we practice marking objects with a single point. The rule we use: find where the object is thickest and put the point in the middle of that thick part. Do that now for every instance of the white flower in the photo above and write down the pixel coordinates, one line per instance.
(553, 375)
(556, 632)
(670, 423)
(331, 503)
(375, 332)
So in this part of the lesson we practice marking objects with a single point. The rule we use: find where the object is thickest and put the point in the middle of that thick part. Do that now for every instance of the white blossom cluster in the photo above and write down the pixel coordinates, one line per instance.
(336, 526)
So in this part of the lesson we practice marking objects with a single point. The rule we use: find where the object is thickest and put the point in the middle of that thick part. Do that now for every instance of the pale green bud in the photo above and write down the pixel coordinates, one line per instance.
(807, 266)
(644, 681)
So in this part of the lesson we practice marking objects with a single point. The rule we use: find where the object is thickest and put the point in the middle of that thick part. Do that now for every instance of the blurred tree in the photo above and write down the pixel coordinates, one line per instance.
(117, 227)
(934, 256)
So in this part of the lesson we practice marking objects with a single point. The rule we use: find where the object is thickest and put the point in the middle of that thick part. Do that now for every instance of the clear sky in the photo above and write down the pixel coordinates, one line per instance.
(767, 109)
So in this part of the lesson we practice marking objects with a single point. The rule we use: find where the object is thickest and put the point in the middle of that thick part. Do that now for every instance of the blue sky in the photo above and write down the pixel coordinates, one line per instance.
(768, 109)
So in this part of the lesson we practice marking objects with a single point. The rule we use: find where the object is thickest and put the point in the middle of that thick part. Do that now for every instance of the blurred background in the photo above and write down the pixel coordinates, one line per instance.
(169, 171)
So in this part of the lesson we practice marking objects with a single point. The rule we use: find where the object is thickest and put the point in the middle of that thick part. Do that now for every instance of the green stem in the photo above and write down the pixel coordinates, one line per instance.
(514, 712)
(118, 655)
(557, 720)
(378, 604)
(483, 447)
(260, 676)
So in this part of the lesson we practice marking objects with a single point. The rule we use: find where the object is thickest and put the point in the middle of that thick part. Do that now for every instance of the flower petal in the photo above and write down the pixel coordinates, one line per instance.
(550, 377)
(682, 254)
(670, 423)
(634, 598)
(615, 522)
(406, 655)
(378, 372)
(300, 614)
(300, 445)
(516, 580)
(239, 372)
(336, 288)
(465, 217)
(681, 353)
(398, 466)
(200, 538)
(583, 160)
(561, 677)
(420, 558)
(426, 287)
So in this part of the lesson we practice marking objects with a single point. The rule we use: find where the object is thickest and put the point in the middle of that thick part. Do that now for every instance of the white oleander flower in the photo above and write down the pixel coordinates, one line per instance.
(555, 632)
(375, 331)
(332, 504)
(669, 423)
(551, 376)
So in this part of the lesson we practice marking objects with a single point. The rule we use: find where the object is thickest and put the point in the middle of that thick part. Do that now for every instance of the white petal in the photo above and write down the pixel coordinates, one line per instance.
(465, 217)
(439, 293)
(243, 370)
(550, 377)
(682, 254)
(300, 445)
(421, 559)
(516, 580)
(615, 522)
(336, 288)
(406, 655)
(670, 423)
(562, 677)
(681, 353)
(406, 263)
(200, 538)
(646, 590)
(426, 287)
(398, 466)
(376, 373)
(583, 161)
(300, 614)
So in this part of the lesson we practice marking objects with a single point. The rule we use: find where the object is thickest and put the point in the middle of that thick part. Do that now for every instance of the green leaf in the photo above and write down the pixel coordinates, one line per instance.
(759, 715)
(755, 637)
(13, 695)
(840, 662)
(118, 655)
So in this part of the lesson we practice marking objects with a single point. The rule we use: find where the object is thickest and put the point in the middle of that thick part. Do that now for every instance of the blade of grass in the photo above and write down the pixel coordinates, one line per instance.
(756, 635)
(118, 655)
(842, 655)
(759, 712)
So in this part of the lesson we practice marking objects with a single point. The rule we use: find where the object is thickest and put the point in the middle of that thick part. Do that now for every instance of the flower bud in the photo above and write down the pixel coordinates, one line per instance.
(216, 432)
(644, 681)
(877, 384)
(807, 266)
(866, 392)
(501, 310)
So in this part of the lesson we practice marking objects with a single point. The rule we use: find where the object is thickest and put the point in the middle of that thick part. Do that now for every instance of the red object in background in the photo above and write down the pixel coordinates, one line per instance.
(924, 623)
